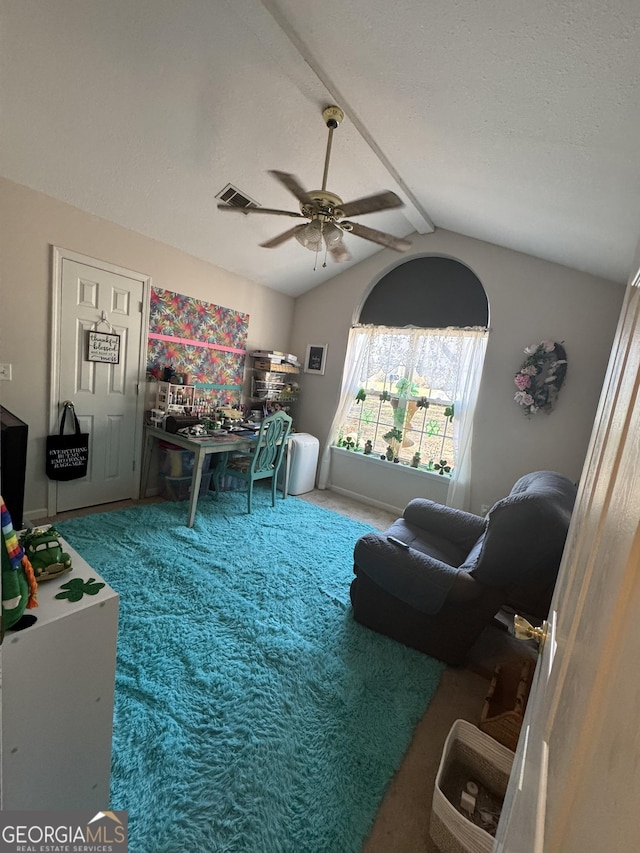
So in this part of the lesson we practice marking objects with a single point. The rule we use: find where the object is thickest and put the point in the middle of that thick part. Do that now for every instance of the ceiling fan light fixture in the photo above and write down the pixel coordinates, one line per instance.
(310, 235)
(332, 234)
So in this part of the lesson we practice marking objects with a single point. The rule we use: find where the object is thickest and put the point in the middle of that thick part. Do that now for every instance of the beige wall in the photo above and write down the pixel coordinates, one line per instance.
(529, 300)
(30, 223)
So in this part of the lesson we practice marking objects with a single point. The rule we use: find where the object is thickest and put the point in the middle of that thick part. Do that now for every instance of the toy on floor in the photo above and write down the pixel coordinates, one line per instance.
(42, 546)
(19, 587)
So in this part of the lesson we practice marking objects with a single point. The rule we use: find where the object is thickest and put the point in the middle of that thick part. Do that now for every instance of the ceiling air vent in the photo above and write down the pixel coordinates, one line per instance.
(235, 198)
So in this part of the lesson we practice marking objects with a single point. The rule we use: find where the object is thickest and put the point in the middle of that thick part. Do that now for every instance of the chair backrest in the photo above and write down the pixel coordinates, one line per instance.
(270, 445)
(522, 544)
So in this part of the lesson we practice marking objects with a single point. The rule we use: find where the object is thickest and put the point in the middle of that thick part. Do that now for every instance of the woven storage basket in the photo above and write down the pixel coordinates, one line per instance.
(489, 764)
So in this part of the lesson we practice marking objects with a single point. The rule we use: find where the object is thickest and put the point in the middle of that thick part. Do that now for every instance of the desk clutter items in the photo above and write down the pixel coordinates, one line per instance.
(196, 430)
(19, 586)
(67, 454)
(471, 784)
(42, 547)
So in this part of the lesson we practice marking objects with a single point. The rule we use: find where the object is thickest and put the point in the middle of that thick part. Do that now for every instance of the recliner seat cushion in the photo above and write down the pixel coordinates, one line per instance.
(402, 573)
(438, 547)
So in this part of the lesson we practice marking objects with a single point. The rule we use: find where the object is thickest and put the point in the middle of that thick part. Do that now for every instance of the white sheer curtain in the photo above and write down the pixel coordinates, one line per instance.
(357, 349)
(474, 344)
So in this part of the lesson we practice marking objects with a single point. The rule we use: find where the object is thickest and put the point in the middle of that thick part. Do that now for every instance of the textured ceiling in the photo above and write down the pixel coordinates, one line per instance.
(512, 122)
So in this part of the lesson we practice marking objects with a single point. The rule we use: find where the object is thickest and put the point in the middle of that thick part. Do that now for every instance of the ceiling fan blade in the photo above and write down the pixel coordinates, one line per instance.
(247, 210)
(339, 253)
(292, 184)
(380, 237)
(282, 238)
(370, 203)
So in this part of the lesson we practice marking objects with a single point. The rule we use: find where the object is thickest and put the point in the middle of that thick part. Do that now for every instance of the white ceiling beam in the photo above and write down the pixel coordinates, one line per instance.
(413, 211)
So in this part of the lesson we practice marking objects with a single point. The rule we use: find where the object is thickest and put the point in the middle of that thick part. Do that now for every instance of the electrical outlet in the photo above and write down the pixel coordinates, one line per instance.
(5, 371)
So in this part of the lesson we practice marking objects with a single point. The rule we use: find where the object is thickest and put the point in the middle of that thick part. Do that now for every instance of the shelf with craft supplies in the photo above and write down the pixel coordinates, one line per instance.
(172, 396)
(273, 378)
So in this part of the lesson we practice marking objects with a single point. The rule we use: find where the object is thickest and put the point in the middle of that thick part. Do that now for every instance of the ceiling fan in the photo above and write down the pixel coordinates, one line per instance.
(326, 212)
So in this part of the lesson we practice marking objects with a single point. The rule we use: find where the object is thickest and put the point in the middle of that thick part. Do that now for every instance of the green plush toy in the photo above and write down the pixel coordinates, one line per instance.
(19, 585)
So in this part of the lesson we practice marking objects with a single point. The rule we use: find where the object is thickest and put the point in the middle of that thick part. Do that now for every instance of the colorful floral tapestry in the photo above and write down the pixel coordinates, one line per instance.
(200, 339)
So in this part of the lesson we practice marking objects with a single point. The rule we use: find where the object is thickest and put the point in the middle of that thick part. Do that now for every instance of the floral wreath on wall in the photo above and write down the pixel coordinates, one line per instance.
(541, 377)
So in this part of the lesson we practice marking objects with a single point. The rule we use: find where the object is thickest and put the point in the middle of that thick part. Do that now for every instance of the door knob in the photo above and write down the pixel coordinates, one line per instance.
(524, 630)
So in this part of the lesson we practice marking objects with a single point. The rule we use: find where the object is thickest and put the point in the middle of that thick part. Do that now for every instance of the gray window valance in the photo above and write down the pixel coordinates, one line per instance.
(428, 292)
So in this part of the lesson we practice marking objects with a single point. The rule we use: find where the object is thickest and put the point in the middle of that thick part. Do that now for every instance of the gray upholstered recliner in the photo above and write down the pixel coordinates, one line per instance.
(459, 569)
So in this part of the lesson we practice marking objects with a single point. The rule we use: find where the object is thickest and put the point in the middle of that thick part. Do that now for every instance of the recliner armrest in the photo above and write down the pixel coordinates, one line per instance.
(462, 527)
(411, 576)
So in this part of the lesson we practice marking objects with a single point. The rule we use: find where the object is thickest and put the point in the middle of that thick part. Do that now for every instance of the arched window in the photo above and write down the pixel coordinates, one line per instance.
(413, 370)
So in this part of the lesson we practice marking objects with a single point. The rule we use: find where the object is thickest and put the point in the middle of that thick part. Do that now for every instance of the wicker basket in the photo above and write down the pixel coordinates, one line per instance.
(275, 366)
(488, 764)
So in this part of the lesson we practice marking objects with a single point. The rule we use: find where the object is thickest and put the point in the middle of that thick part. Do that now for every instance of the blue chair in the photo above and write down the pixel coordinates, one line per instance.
(262, 462)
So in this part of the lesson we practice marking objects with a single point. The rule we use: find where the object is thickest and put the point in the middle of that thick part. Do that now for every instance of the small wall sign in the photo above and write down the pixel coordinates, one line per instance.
(315, 358)
(104, 347)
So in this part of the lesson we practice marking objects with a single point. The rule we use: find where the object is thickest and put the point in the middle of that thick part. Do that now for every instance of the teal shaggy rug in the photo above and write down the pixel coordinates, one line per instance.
(252, 713)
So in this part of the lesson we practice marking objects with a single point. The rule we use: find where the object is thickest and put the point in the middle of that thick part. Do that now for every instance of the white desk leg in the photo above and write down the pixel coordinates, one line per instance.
(146, 464)
(196, 479)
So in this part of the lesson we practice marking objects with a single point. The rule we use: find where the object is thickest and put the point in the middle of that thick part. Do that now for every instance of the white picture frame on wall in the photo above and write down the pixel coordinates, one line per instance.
(316, 358)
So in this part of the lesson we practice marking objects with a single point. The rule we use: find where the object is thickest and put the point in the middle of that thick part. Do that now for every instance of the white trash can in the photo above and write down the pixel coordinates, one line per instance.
(303, 461)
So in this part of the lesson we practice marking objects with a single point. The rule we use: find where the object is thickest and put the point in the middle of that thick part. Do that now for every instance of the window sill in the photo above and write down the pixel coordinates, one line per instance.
(388, 485)
(373, 459)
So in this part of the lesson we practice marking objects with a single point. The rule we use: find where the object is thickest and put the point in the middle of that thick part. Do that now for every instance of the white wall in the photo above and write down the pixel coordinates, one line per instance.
(30, 223)
(529, 300)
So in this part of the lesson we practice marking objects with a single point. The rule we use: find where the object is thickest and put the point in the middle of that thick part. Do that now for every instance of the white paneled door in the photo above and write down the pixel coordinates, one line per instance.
(92, 296)
(575, 785)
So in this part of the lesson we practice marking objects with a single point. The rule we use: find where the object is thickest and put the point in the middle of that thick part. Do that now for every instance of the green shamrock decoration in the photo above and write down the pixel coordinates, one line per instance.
(385, 395)
(76, 588)
(442, 467)
(361, 396)
(449, 412)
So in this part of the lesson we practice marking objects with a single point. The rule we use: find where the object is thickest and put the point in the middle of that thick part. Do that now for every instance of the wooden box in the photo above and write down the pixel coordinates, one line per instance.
(505, 703)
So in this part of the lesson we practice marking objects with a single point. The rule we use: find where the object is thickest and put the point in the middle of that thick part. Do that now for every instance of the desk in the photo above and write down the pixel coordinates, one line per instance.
(202, 447)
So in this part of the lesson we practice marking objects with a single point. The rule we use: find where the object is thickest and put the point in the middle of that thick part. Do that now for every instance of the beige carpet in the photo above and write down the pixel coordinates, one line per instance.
(402, 822)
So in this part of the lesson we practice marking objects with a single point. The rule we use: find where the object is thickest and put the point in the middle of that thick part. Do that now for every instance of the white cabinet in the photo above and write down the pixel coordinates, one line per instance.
(58, 679)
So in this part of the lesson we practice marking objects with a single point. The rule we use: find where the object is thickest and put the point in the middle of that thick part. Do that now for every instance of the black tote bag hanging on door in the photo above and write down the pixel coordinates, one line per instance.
(68, 455)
